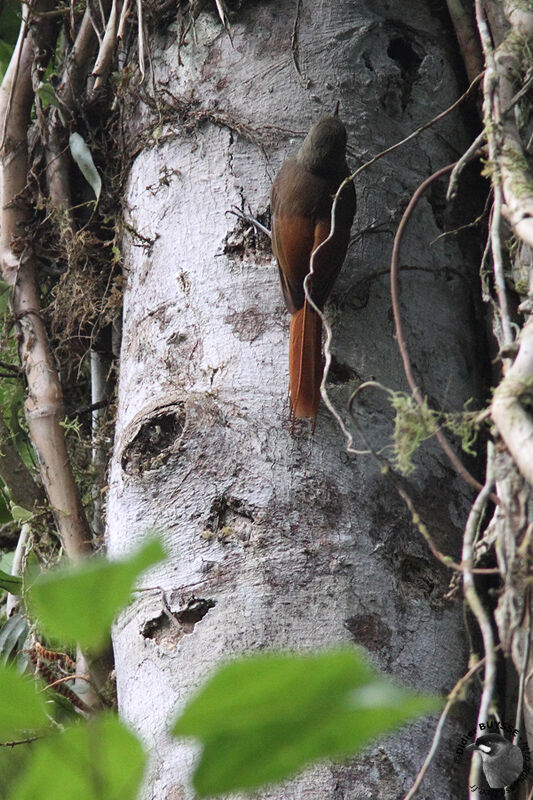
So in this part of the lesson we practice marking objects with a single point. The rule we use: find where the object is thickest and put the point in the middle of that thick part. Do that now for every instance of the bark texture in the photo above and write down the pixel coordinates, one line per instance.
(298, 545)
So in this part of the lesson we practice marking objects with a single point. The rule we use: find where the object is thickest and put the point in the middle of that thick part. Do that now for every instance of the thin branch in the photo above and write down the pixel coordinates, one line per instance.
(412, 135)
(21, 741)
(512, 419)
(522, 682)
(72, 677)
(140, 38)
(43, 406)
(123, 19)
(466, 36)
(453, 697)
(467, 156)
(16, 58)
(497, 262)
(473, 600)
(295, 53)
(503, 68)
(107, 48)
(400, 339)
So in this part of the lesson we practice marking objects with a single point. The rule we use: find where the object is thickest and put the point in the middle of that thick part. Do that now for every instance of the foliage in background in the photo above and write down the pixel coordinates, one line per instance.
(260, 718)
(263, 717)
(9, 29)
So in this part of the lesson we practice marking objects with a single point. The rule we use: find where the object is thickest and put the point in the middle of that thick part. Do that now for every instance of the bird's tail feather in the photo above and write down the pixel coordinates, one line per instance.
(305, 362)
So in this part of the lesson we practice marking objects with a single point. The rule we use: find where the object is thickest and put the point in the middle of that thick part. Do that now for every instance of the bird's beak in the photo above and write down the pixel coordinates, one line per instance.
(470, 747)
(336, 112)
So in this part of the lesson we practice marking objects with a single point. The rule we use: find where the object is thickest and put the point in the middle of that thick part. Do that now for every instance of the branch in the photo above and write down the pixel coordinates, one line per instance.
(483, 619)
(68, 93)
(107, 48)
(514, 423)
(44, 403)
(467, 38)
(504, 68)
(473, 600)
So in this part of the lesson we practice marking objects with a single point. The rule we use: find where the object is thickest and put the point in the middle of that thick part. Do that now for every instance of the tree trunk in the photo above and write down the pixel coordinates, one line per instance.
(297, 544)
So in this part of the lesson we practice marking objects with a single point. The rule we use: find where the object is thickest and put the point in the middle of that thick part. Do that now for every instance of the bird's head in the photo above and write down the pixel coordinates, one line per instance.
(490, 745)
(323, 150)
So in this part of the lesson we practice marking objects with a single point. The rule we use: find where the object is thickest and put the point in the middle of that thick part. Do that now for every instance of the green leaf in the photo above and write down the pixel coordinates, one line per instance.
(83, 158)
(12, 636)
(5, 289)
(77, 604)
(264, 717)
(21, 708)
(10, 18)
(21, 514)
(92, 760)
(6, 51)
(47, 95)
(11, 583)
(5, 512)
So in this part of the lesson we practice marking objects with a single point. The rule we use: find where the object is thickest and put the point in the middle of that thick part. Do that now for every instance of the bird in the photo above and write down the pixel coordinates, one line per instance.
(301, 201)
(502, 760)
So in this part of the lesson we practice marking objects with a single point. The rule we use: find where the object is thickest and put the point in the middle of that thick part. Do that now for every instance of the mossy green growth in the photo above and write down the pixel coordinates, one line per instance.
(413, 424)
(517, 164)
(465, 425)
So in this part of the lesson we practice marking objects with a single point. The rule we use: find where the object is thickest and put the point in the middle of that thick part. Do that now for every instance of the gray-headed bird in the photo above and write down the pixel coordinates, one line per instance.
(502, 760)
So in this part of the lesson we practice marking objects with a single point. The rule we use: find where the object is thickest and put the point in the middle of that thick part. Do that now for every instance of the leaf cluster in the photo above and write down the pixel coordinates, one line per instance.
(260, 718)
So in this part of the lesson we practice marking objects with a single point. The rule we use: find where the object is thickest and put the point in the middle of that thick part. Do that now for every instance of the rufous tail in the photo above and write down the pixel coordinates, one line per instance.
(305, 362)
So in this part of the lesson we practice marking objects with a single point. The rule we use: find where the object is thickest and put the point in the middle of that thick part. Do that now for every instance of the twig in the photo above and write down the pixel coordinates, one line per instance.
(222, 13)
(123, 19)
(467, 156)
(107, 48)
(93, 23)
(452, 698)
(18, 566)
(81, 410)
(473, 600)
(72, 677)
(479, 612)
(250, 220)
(17, 55)
(412, 135)
(466, 36)
(140, 38)
(523, 672)
(20, 741)
(294, 46)
(497, 262)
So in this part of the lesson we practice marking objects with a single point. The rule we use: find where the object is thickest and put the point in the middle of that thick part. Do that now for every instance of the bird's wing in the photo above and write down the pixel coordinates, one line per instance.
(329, 259)
(301, 204)
(292, 242)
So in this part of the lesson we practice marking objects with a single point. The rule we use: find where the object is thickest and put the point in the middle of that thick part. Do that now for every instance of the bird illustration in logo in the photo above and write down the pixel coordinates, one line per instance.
(502, 760)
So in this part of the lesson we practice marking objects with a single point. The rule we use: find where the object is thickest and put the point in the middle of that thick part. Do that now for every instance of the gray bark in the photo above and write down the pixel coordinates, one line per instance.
(299, 545)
